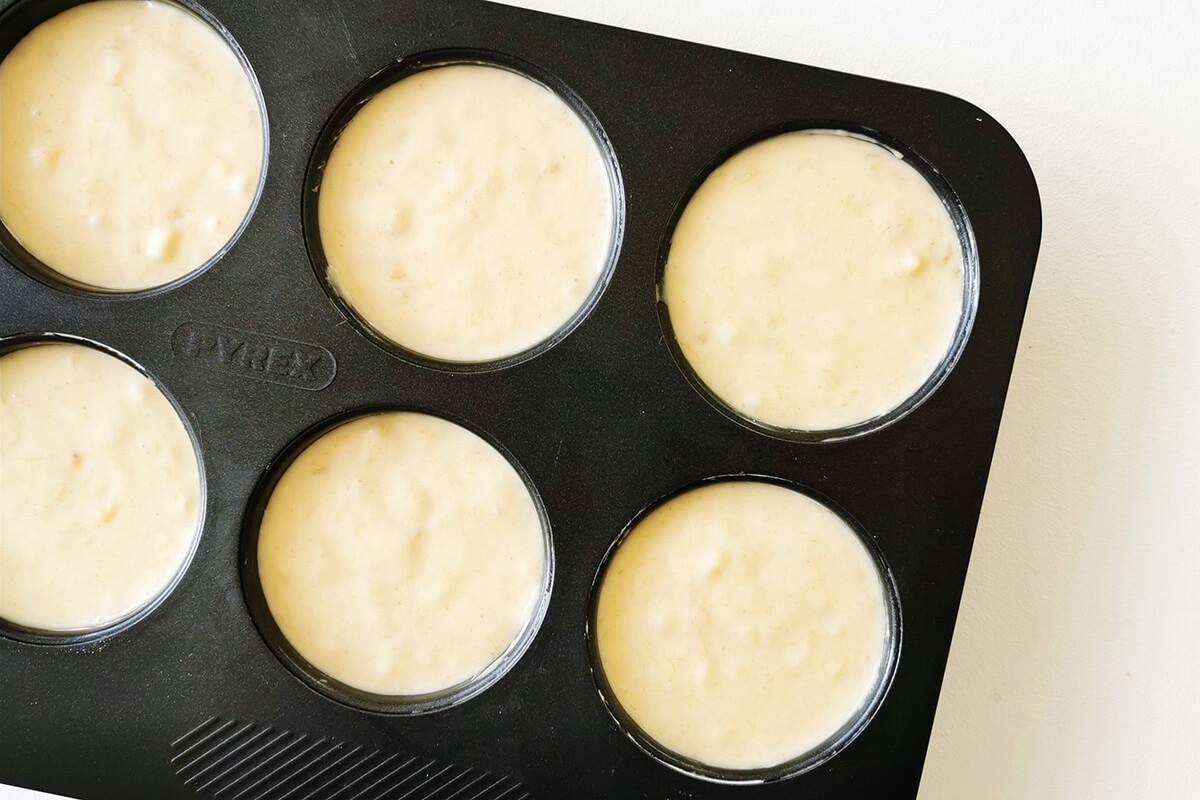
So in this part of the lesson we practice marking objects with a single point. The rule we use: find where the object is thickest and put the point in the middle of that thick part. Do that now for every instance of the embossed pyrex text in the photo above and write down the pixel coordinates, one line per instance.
(253, 355)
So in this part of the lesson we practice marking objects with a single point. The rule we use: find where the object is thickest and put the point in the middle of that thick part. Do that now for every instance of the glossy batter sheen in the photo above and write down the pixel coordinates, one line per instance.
(401, 554)
(815, 280)
(741, 624)
(130, 144)
(465, 213)
(99, 489)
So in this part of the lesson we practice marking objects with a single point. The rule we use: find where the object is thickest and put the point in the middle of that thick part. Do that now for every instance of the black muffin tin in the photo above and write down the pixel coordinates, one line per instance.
(190, 700)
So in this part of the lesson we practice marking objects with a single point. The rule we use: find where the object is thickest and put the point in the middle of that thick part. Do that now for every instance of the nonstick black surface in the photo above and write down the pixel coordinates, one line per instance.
(191, 700)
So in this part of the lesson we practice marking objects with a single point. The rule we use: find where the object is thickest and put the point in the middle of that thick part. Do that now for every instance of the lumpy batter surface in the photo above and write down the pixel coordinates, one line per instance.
(401, 554)
(131, 143)
(465, 213)
(99, 489)
(814, 281)
(741, 624)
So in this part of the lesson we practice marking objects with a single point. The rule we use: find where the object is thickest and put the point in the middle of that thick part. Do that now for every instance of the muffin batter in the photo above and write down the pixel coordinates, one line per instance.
(465, 213)
(741, 624)
(401, 554)
(99, 489)
(814, 281)
(130, 144)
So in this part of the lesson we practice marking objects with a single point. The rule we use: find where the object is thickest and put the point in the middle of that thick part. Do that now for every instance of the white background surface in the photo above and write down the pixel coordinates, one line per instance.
(1075, 671)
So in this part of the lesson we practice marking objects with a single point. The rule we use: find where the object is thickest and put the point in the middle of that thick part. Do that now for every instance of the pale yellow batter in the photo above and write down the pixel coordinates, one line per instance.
(465, 213)
(401, 554)
(815, 280)
(131, 143)
(741, 624)
(99, 489)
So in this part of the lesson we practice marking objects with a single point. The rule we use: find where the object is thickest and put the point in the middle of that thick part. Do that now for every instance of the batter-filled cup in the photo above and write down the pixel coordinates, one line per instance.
(466, 214)
(100, 491)
(131, 144)
(741, 629)
(815, 283)
(403, 557)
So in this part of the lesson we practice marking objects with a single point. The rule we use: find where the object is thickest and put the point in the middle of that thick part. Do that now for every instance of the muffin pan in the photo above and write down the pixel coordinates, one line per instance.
(194, 699)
